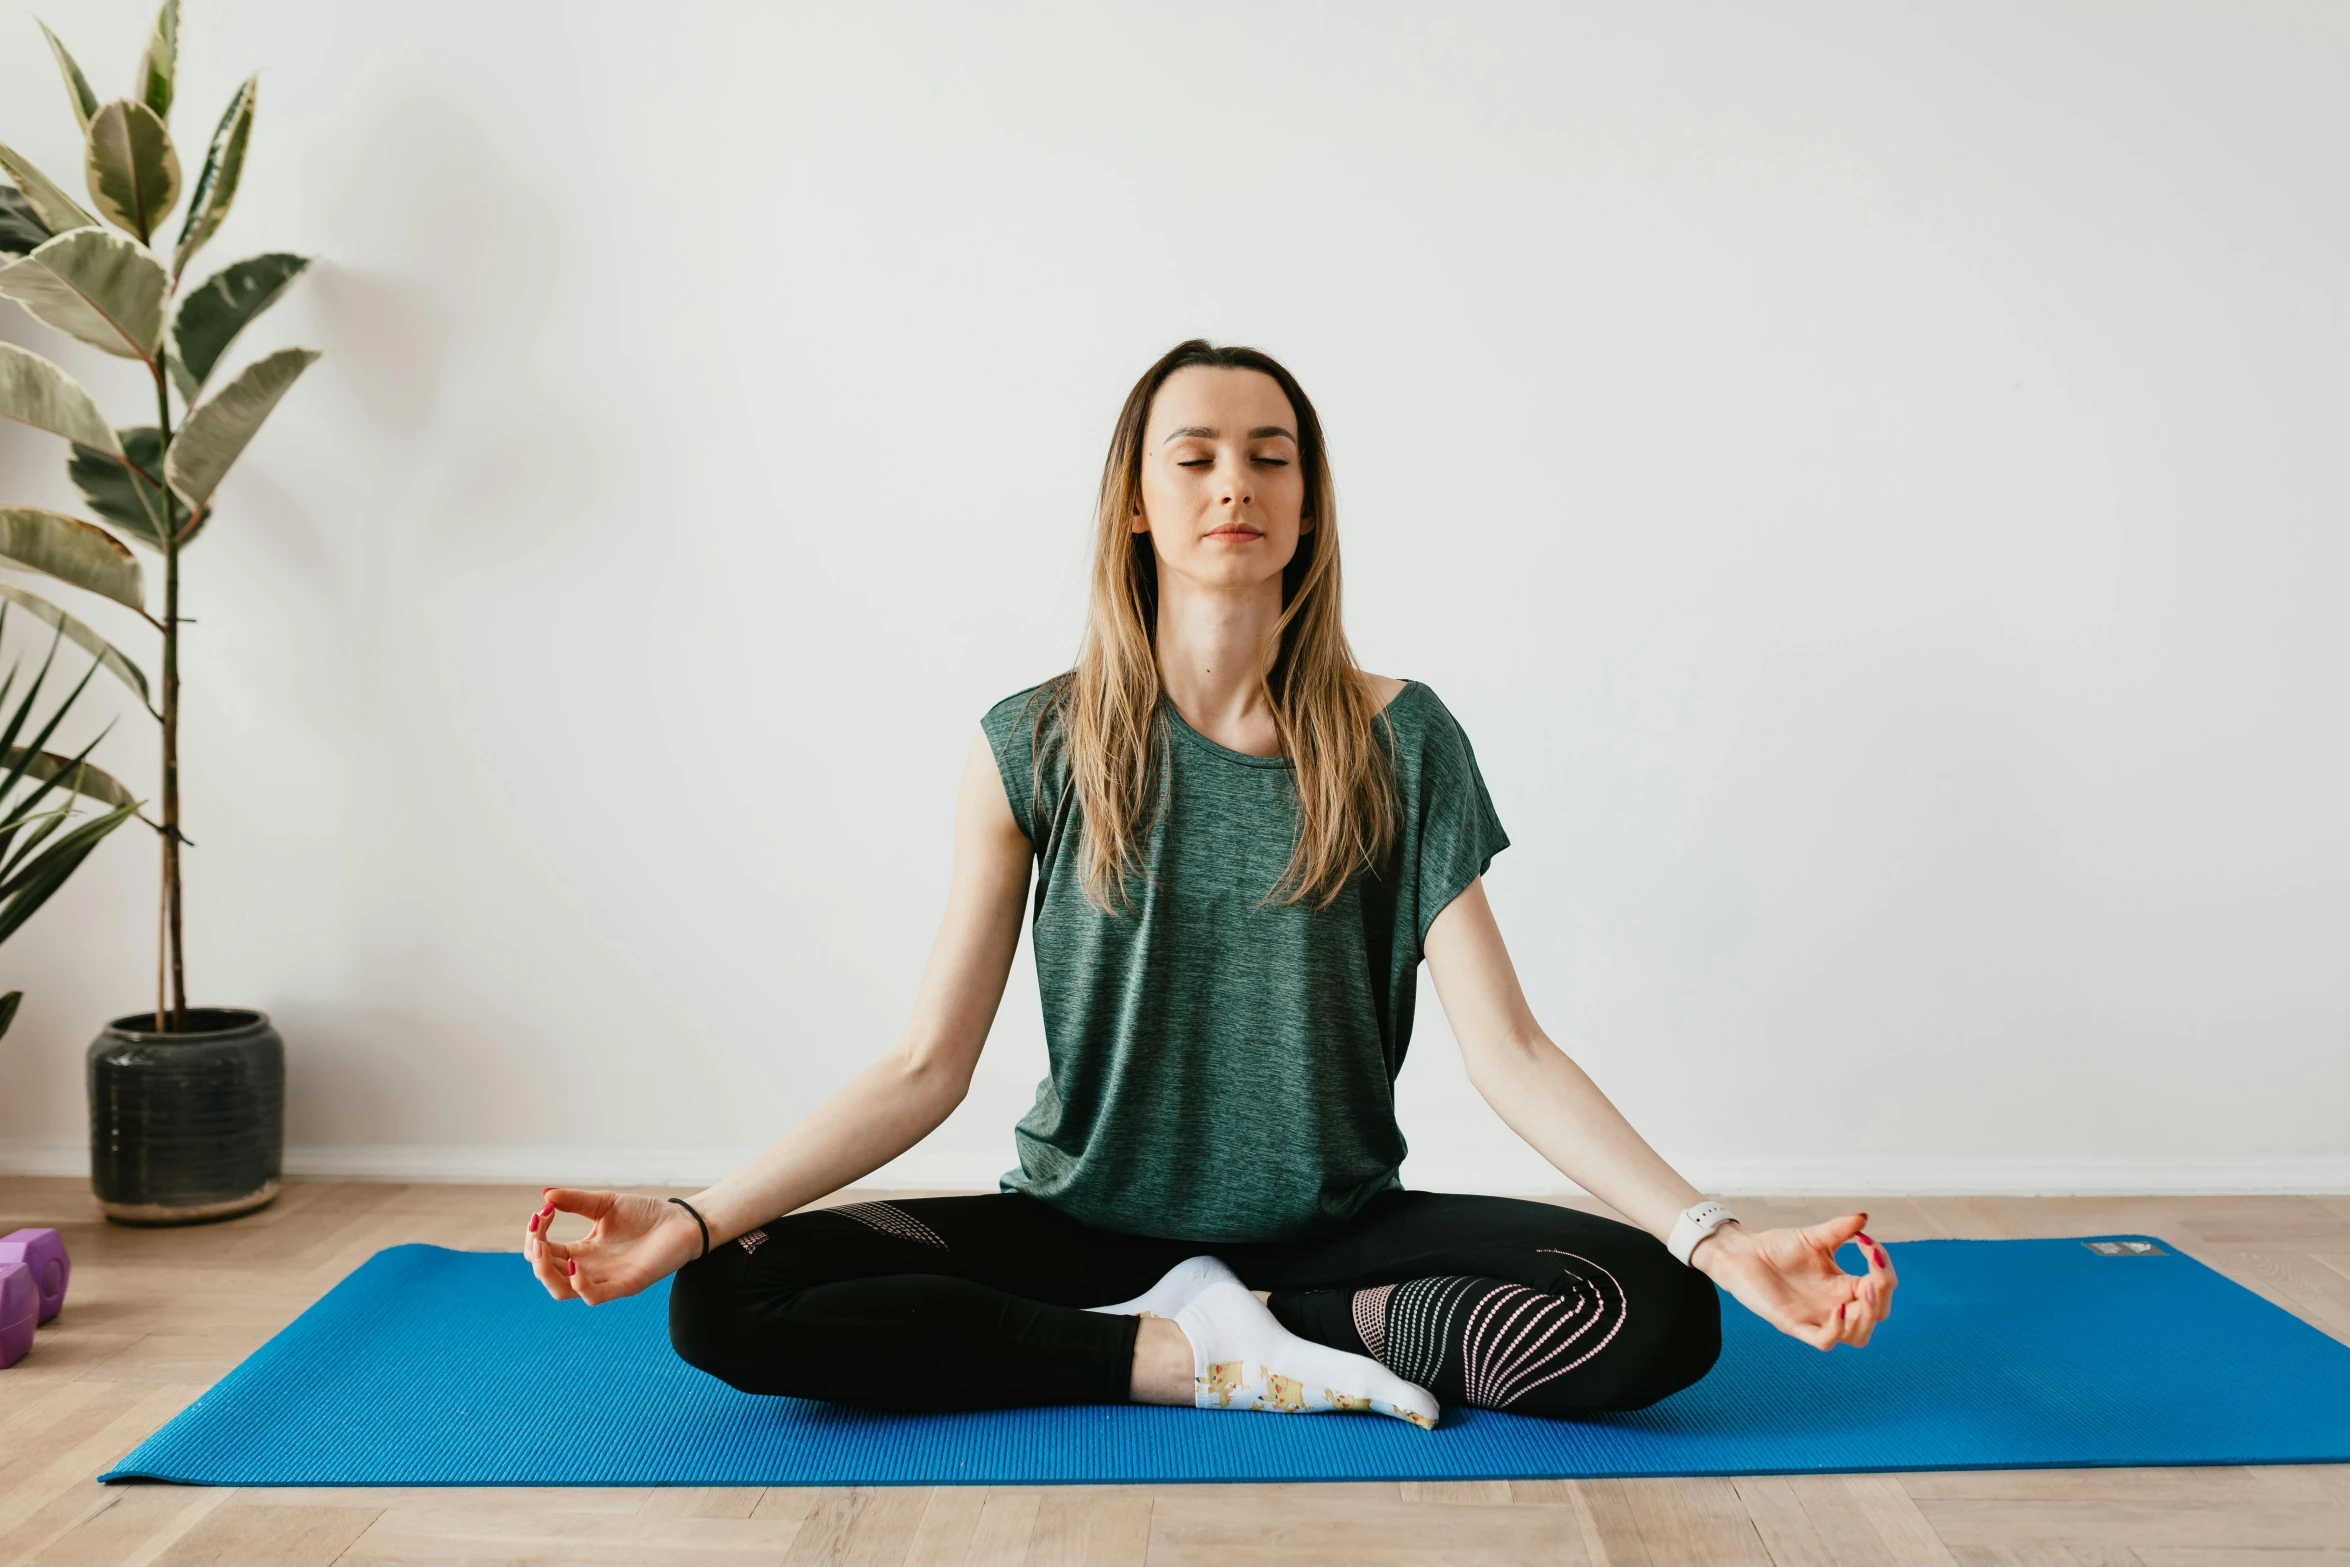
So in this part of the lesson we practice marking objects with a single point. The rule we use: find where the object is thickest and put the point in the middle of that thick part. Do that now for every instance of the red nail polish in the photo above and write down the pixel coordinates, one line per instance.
(574, 1268)
(534, 1223)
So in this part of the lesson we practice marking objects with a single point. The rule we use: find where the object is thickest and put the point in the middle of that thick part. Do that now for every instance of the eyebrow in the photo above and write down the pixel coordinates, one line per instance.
(1261, 432)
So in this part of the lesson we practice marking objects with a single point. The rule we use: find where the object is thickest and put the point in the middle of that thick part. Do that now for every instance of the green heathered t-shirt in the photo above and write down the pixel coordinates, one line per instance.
(1220, 1071)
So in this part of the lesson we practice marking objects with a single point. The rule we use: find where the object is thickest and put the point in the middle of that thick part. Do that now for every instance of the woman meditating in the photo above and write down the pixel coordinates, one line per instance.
(1243, 846)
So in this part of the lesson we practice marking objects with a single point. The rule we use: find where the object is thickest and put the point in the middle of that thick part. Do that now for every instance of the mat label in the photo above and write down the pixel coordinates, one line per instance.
(2125, 1248)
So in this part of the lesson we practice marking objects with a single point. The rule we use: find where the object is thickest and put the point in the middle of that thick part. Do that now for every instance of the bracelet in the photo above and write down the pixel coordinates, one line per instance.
(705, 1229)
(1694, 1225)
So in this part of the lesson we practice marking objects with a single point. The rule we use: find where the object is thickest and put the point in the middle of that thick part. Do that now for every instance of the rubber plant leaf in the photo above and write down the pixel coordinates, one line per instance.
(33, 391)
(8, 1004)
(109, 656)
(57, 211)
(97, 286)
(216, 432)
(134, 174)
(159, 62)
(210, 317)
(73, 551)
(117, 487)
(21, 228)
(77, 86)
(216, 187)
(82, 778)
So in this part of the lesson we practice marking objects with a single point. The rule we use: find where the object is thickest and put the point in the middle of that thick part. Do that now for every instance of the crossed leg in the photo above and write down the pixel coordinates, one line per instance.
(1499, 1302)
(978, 1302)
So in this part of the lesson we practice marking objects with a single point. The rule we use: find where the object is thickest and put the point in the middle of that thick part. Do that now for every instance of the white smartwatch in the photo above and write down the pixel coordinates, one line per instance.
(1694, 1225)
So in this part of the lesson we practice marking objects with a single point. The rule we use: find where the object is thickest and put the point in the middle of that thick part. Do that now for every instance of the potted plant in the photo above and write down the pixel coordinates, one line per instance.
(186, 1103)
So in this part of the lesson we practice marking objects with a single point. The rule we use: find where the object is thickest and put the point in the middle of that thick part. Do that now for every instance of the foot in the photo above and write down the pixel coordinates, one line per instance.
(1174, 1291)
(1243, 1358)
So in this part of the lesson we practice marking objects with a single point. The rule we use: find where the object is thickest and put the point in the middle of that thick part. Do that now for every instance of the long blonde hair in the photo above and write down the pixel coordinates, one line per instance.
(1109, 705)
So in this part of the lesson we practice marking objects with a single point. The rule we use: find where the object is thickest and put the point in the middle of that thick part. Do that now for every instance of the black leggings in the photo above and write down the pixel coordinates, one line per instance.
(976, 1303)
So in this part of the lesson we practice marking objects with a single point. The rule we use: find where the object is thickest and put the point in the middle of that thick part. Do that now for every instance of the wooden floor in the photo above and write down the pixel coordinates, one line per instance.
(156, 1315)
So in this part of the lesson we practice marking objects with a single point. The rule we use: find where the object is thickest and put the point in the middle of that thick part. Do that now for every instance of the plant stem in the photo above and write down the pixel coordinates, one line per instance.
(176, 943)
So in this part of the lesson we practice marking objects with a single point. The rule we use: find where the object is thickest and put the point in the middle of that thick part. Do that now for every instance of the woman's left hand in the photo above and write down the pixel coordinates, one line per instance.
(1790, 1279)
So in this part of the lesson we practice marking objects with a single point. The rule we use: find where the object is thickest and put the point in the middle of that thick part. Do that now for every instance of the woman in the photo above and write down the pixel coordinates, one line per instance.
(1244, 847)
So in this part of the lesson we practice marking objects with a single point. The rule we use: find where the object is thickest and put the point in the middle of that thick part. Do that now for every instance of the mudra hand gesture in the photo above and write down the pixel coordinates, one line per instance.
(632, 1242)
(1790, 1279)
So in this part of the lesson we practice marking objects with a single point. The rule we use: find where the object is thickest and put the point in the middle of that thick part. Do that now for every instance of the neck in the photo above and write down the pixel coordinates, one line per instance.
(1214, 646)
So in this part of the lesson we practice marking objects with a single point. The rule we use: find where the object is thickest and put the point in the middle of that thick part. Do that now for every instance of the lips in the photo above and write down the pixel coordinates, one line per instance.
(1236, 533)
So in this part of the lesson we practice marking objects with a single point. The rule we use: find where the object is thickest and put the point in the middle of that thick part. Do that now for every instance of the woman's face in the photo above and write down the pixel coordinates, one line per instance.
(1221, 485)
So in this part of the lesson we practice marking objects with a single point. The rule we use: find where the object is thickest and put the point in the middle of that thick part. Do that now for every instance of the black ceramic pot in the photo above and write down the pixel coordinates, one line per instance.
(186, 1126)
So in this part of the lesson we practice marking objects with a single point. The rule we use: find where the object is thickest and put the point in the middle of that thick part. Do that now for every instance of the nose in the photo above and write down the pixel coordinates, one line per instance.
(1236, 490)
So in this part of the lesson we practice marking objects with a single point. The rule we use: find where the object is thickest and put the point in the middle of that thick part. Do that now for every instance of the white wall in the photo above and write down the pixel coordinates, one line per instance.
(1869, 479)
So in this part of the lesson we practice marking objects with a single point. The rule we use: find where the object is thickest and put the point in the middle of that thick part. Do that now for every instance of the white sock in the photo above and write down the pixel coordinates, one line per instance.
(1243, 1358)
(1173, 1292)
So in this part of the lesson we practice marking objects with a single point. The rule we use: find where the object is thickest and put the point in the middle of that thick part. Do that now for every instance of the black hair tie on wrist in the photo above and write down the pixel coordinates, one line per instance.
(698, 1224)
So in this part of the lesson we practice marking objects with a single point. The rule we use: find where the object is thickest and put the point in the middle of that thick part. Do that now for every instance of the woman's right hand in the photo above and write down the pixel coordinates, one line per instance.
(632, 1242)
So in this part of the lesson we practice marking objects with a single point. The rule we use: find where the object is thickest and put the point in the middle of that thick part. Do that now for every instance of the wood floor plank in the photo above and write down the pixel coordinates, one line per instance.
(1188, 1530)
(70, 1414)
(62, 1352)
(134, 1526)
(2137, 1524)
(1869, 1518)
(887, 1518)
(53, 1473)
(2047, 1556)
(1007, 1521)
(2162, 1556)
(701, 1501)
(949, 1520)
(1090, 1526)
(1782, 1523)
(1698, 1522)
(2270, 1485)
(1568, 1496)
(521, 1534)
(828, 1533)
(239, 1535)
(1453, 1493)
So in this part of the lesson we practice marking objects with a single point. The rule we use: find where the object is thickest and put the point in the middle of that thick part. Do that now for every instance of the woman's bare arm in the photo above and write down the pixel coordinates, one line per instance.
(1788, 1277)
(1532, 1084)
(880, 1113)
(903, 1097)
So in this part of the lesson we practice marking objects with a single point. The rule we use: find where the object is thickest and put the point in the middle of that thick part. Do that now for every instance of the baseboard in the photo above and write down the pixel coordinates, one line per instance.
(2019, 1176)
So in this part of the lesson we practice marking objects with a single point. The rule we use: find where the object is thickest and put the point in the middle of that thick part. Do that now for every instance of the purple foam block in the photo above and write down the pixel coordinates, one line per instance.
(44, 1253)
(20, 1308)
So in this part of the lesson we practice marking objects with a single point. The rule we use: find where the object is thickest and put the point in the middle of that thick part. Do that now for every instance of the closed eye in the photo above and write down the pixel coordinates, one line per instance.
(1210, 462)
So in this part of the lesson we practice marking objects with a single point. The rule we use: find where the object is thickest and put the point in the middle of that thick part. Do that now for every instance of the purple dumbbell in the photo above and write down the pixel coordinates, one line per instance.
(44, 1255)
(20, 1308)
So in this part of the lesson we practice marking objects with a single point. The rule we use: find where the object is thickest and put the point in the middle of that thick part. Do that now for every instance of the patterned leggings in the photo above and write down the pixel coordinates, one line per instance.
(975, 1302)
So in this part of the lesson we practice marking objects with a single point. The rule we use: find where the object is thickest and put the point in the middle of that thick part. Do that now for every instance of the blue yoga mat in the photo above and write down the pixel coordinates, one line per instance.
(435, 1367)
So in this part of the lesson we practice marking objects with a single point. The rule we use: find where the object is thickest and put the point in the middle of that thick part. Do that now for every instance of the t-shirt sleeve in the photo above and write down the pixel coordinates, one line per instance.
(1458, 831)
(1011, 727)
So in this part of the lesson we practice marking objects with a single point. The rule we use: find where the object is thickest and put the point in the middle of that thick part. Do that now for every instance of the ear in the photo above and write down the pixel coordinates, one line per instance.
(1140, 523)
(1305, 522)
